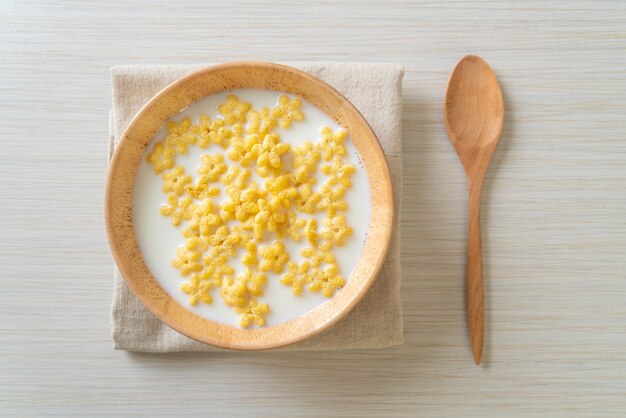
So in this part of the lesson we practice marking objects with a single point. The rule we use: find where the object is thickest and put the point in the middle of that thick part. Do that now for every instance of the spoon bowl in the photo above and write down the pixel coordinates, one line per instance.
(474, 118)
(474, 110)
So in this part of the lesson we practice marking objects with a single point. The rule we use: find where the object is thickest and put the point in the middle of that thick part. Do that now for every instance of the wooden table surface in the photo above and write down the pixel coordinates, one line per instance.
(554, 211)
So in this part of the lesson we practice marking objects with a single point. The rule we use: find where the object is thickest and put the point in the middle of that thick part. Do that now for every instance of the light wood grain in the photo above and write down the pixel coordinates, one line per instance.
(474, 118)
(554, 231)
(130, 151)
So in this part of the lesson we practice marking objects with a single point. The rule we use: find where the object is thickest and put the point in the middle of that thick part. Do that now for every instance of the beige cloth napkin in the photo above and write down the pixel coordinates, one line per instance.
(376, 90)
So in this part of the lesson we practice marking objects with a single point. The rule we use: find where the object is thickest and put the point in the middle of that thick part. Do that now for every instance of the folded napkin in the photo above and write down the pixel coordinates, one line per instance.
(376, 91)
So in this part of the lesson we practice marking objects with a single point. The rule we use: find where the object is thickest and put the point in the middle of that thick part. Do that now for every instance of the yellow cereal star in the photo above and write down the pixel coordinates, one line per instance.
(270, 215)
(332, 200)
(203, 129)
(338, 173)
(204, 220)
(282, 189)
(306, 156)
(306, 200)
(179, 135)
(260, 123)
(292, 227)
(254, 282)
(197, 290)
(287, 111)
(243, 203)
(297, 276)
(246, 210)
(211, 167)
(233, 110)
(234, 292)
(201, 189)
(327, 280)
(178, 209)
(213, 132)
(243, 151)
(187, 261)
(176, 181)
(301, 176)
(275, 257)
(223, 241)
(269, 153)
(331, 143)
(335, 230)
(161, 158)
(319, 255)
(216, 269)
(253, 312)
(236, 176)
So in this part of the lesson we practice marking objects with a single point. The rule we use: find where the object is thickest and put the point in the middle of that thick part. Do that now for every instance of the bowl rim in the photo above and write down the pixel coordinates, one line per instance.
(129, 152)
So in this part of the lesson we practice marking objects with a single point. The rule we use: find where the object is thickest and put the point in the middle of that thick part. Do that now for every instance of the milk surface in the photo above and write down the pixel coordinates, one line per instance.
(158, 239)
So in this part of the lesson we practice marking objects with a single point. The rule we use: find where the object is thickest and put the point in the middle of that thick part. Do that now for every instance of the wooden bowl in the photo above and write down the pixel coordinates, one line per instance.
(130, 151)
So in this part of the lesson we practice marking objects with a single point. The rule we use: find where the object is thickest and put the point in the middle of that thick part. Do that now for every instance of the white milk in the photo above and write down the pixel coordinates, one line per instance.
(158, 239)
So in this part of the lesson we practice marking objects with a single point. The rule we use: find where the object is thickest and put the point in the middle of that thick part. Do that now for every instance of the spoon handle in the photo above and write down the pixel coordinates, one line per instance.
(475, 292)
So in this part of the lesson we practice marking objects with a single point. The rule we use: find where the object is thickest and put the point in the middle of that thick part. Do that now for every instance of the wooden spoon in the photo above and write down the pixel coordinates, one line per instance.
(474, 117)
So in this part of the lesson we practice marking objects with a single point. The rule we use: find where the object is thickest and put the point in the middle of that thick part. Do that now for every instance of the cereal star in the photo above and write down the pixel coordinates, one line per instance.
(338, 173)
(332, 200)
(327, 281)
(178, 209)
(179, 135)
(233, 110)
(243, 151)
(292, 227)
(201, 189)
(254, 282)
(253, 312)
(234, 292)
(335, 230)
(297, 276)
(306, 200)
(281, 188)
(211, 167)
(216, 269)
(197, 290)
(223, 241)
(187, 261)
(287, 111)
(236, 176)
(204, 219)
(161, 158)
(319, 255)
(270, 215)
(260, 123)
(331, 144)
(269, 153)
(306, 156)
(275, 257)
(213, 132)
(176, 181)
